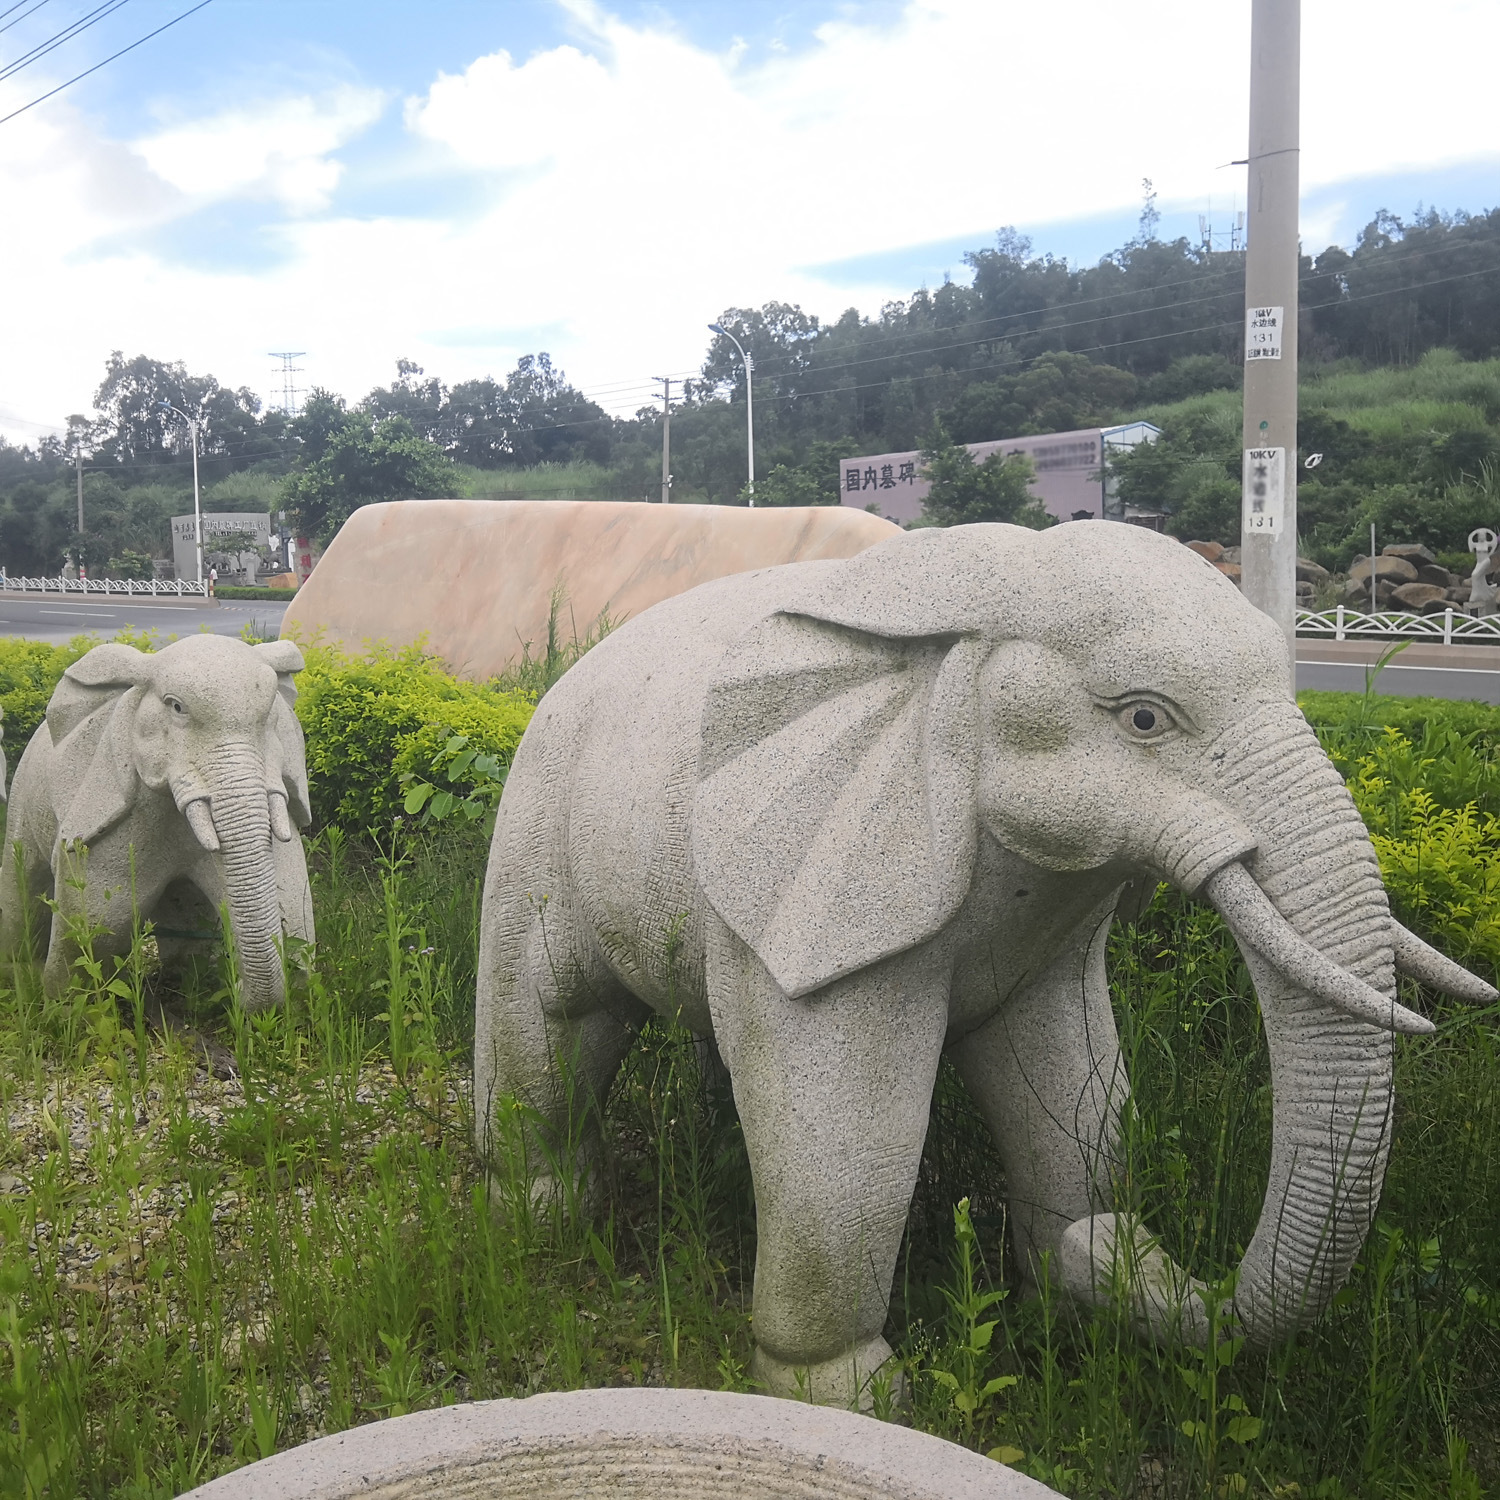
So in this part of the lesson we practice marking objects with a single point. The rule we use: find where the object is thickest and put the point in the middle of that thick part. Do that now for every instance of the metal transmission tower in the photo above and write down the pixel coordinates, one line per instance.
(290, 390)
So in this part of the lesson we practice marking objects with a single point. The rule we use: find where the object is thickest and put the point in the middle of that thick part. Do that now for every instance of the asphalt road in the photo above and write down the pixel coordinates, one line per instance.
(58, 618)
(1427, 682)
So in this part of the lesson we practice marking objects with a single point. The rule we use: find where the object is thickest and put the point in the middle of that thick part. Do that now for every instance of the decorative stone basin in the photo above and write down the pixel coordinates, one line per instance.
(652, 1444)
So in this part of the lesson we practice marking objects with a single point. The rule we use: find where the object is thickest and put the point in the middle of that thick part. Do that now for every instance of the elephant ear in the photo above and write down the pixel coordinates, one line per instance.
(97, 758)
(89, 717)
(288, 731)
(834, 822)
(97, 678)
(286, 658)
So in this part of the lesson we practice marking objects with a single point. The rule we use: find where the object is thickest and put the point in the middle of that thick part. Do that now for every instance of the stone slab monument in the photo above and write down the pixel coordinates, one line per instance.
(848, 817)
(475, 577)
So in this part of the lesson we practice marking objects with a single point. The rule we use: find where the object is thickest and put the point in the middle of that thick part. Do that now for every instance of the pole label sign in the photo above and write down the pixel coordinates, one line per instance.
(1265, 492)
(1263, 327)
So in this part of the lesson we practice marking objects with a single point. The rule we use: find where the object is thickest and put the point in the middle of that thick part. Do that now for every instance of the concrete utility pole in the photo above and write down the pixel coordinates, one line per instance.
(78, 463)
(1268, 523)
(666, 437)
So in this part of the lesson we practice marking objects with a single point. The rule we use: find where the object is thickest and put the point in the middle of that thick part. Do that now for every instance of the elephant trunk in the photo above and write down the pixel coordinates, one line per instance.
(242, 824)
(1317, 935)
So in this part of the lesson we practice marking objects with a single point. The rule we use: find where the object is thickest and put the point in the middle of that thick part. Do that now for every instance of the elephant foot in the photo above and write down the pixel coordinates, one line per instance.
(546, 1197)
(852, 1380)
(1109, 1258)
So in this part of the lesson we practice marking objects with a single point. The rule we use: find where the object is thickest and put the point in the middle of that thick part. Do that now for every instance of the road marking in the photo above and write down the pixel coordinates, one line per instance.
(1392, 667)
(82, 614)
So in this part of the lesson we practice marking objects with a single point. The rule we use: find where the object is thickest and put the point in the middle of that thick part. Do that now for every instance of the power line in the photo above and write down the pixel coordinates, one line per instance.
(42, 98)
(89, 18)
(19, 3)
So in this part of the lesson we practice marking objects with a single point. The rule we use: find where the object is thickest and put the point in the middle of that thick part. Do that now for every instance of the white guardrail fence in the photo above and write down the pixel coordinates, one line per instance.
(1343, 624)
(151, 588)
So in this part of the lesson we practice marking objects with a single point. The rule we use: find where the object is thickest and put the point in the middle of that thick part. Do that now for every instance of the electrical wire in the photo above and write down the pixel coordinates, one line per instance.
(842, 390)
(19, 3)
(42, 98)
(52, 43)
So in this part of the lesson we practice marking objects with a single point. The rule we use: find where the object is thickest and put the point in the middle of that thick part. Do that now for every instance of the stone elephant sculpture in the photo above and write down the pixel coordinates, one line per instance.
(183, 774)
(850, 815)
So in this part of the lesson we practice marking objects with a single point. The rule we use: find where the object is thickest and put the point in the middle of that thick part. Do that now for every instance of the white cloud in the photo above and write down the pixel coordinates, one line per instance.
(278, 150)
(634, 183)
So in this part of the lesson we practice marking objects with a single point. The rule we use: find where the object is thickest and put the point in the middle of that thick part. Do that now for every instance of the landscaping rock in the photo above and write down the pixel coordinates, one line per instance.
(1415, 596)
(1310, 572)
(1230, 554)
(1435, 574)
(1305, 590)
(1395, 569)
(687, 1445)
(1229, 570)
(1357, 592)
(1213, 551)
(1412, 552)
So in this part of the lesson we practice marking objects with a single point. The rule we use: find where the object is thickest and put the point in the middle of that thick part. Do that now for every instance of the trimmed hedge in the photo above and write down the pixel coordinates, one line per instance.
(271, 596)
(29, 670)
(370, 719)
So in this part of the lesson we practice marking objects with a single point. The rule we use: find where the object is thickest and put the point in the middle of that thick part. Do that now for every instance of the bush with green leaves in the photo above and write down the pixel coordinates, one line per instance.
(29, 670)
(375, 721)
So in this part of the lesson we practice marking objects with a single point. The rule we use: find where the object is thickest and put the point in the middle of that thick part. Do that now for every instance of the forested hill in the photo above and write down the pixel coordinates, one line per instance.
(1028, 344)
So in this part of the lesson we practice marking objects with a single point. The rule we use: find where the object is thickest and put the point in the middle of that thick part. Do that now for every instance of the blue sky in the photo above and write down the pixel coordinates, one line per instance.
(463, 183)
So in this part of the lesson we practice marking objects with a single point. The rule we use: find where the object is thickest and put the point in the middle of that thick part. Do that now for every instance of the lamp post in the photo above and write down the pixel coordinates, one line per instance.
(197, 505)
(749, 364)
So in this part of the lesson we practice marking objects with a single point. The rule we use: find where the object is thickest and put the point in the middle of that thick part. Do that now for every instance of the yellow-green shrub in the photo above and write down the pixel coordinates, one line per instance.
(1441, 863)
(29, 670)
(369, 719)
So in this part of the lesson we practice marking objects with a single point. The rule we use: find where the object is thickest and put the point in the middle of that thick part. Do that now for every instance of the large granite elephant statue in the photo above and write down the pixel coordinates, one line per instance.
(182, 774)
(852, 815)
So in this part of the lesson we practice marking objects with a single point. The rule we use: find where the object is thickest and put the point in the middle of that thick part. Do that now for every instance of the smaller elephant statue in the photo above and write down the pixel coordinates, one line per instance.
(183, 775)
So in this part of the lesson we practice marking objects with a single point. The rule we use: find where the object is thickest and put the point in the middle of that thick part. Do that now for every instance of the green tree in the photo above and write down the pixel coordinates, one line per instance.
(350, 459)
(998, 489)
(812, 481)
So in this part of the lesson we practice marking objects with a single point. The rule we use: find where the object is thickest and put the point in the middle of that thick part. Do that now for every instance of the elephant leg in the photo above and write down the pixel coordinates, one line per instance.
(551, 1028)
(25, 884)
(1046, 1074)
(833, 1093)
(96, 898)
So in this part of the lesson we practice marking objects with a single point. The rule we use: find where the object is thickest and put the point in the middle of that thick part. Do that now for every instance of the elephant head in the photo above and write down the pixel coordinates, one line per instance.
(206, 726)
(1096, 699)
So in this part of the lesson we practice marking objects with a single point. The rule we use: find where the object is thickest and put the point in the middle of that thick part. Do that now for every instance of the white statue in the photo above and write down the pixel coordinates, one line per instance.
(1482, 593)
(182, 774)
(850, 816)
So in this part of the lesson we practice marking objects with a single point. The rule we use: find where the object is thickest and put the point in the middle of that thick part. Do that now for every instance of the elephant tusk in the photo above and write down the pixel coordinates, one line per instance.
(201, 821)
(1419, 960)
(281, 824)
(1257, 924)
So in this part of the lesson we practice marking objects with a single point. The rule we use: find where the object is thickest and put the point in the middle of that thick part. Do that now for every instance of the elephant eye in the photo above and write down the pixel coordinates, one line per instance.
(175, 705)
(1145, 721)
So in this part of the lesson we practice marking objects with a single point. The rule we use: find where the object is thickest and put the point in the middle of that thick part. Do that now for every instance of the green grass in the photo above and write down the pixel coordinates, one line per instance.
(195, 1271)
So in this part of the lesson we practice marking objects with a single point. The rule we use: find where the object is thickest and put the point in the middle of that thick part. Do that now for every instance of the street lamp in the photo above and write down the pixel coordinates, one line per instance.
(197, 506)
(749, 364)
